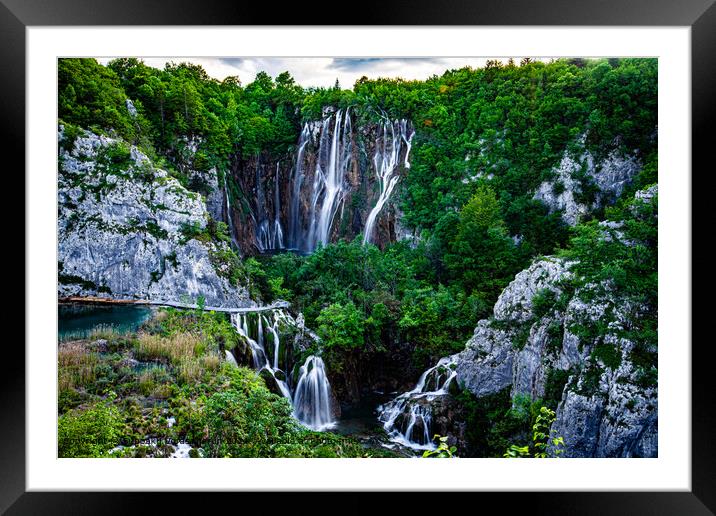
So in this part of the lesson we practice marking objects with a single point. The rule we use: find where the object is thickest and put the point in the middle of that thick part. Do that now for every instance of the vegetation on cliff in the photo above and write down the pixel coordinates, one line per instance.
(485, 140)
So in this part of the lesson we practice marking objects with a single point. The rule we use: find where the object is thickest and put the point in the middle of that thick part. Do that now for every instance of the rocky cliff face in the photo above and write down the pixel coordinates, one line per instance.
(582, 184)
(127, 229)
(536, 342)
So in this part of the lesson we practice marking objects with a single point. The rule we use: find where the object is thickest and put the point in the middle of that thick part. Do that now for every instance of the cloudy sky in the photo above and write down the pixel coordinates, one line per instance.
(323, 71)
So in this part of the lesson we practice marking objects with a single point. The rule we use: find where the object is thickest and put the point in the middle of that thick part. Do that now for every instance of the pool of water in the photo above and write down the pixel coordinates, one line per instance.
(360, 421)
(76, 320)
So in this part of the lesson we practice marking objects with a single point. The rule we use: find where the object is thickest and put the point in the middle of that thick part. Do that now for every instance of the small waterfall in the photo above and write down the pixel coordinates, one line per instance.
(269, 234)
(407, 418)
(388, 148)
(229, 218)
(230, 357)
(312, 400)
(258, 353)
(277, 240)
(312, 397)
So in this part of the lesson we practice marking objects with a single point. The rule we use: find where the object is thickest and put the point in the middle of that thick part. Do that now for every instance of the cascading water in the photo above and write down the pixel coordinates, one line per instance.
(312, 397)
(312, 400)
(230, 357)
(277, 240)
(328, 182)
(295, 228)
(297, 208)
(229, 218)
(388, 147)
(408, 417)
(269, 234)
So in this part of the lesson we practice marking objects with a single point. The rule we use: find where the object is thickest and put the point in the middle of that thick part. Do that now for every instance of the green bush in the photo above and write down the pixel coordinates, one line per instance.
(89, 432)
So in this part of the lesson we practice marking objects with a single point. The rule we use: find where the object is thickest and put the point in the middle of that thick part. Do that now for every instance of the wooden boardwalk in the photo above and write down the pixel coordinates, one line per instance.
(175, 304)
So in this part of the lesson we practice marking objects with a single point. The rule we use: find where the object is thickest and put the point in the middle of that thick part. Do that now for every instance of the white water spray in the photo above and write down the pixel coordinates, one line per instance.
(388, 148)
(312, 398)
(312, 401)
(408, 418)
(295, 226)
(328, 183)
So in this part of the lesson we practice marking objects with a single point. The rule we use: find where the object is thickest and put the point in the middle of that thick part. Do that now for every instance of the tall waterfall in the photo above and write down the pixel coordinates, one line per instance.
(408, 418)
(388, 147)
(316, 194)
(328, 187)
(295, 228)
(312, 397)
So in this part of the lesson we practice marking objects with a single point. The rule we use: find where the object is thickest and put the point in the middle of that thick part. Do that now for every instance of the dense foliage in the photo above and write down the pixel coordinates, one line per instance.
(485, 140)
(123, 395)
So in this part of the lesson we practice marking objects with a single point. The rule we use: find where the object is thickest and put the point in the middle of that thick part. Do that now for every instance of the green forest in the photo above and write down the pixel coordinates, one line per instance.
(485, 140)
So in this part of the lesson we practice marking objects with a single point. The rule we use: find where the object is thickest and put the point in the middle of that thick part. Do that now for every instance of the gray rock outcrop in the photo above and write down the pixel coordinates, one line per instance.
(125, 229)
(608, 405)
(609, 177)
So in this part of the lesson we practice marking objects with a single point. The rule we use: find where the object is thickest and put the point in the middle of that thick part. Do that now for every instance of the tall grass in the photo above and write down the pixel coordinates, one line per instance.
(76, 365)
(106, 332)
(193, 369)
(103, 331)
(184, 351)
(171, 349)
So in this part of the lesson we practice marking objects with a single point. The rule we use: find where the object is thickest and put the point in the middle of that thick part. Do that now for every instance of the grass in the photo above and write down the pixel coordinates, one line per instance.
(76, 365)
(192, 370)
(186, 352)
(106, 332)
(173, 349)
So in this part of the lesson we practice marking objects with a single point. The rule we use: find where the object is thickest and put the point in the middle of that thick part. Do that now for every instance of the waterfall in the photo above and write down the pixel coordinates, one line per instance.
(328, 182)
(228, 215)
(312, 400)
(258, 353)
(388, 147)
(408, 418)
(230, 357)
(269, 234)
(277, 241)
(295, 227)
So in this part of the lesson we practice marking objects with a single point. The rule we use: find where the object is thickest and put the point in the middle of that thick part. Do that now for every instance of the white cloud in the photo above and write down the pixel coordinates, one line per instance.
(323, 71)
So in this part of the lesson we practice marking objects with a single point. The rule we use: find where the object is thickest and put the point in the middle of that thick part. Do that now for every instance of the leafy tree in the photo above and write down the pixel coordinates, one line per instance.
(341, 325)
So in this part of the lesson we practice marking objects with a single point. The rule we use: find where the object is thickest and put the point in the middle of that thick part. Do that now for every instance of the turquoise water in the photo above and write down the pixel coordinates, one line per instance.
(78, 320)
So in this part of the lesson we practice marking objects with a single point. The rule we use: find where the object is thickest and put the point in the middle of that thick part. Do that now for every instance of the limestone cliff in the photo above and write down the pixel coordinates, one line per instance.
(583, 183)
(541, 338)
(127, 229)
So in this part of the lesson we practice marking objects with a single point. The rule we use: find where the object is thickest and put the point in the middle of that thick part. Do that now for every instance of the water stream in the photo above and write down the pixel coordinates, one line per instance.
(311, 396)
(407, 419)
(388, 147)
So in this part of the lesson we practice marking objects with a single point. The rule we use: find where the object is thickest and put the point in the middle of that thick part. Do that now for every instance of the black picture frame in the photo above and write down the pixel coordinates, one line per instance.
(700, 15)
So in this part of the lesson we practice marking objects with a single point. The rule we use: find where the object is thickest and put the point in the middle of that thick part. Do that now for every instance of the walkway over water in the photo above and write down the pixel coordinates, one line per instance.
(176, 304)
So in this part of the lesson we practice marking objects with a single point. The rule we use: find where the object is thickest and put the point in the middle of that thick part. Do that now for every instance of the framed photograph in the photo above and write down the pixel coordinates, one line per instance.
(317, 257)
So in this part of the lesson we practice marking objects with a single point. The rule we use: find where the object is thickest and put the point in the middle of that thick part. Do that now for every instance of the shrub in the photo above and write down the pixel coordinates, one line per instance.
(91, 432)
(246, 420)
(543, 301)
